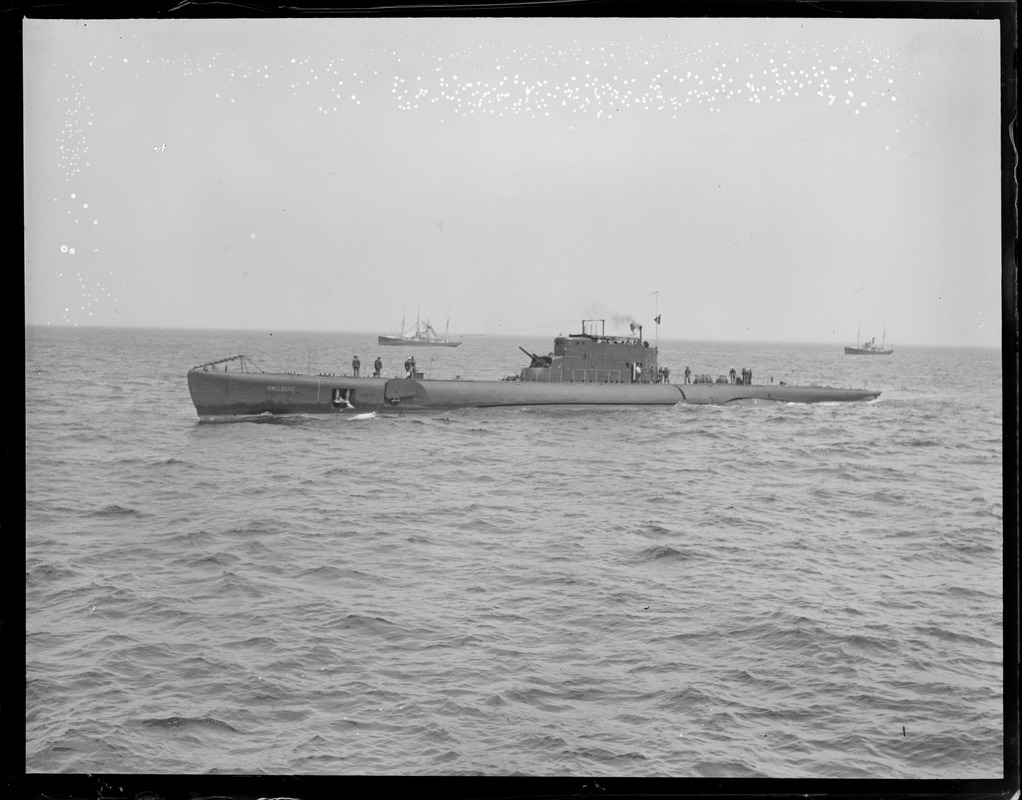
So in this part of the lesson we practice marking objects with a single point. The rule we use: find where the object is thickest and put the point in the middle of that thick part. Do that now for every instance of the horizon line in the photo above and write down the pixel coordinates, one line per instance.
(73, 326)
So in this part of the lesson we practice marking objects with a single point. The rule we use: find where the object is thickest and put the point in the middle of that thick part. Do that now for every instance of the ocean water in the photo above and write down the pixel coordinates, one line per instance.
(758, 591)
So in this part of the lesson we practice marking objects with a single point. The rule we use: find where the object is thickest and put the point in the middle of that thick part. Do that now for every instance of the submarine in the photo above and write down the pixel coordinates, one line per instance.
(588, 368)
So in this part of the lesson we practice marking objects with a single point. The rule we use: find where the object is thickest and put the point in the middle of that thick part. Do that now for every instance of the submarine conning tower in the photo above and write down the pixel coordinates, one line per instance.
(593, 357)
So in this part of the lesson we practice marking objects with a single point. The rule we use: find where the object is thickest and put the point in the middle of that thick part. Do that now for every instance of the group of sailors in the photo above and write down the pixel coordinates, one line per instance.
(743, 379)
(662, 375)
(356, 367)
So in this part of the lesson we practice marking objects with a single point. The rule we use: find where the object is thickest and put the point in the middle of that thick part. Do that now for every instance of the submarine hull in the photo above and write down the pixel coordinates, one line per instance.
(222, 393)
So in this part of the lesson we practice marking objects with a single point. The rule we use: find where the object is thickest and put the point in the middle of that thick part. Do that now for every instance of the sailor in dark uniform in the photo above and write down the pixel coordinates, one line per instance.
(377, 367)
(355, 364)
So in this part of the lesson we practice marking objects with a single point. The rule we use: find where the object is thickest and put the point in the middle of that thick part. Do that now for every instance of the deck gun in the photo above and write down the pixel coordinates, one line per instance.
(537, 361)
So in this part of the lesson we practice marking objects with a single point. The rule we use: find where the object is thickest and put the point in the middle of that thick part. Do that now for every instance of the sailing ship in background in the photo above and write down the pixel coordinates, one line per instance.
(870, 348)
(423, 335)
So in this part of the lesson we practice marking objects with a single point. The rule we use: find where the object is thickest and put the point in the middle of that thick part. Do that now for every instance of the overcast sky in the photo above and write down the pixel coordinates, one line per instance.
(760, 180)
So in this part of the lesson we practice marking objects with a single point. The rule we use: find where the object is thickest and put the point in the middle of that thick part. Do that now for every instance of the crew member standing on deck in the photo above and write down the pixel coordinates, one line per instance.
(355, 365)
(688, 375)
(377, 367)
(412, 359)
(408, 368)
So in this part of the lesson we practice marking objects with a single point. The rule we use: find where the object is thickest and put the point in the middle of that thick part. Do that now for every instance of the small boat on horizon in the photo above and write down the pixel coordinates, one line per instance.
(422, 335)
(870, 348)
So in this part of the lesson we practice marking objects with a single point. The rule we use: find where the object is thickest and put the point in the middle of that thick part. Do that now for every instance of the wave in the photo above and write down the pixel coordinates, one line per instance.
(365, 622)
(173, 462)
(660, 552)
(920, 442)
(725, 768)
(187, 722)
(49, 572)
(115, 511)
(946, 636)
